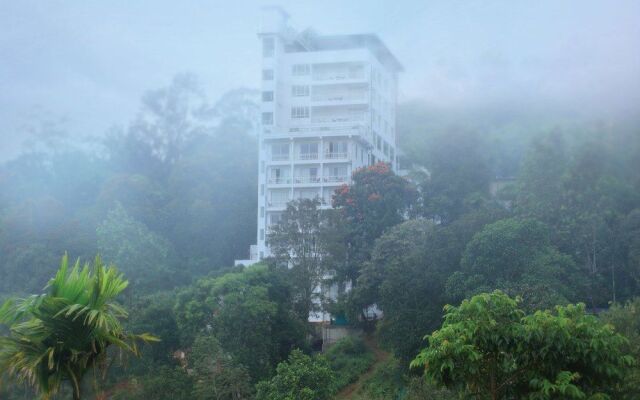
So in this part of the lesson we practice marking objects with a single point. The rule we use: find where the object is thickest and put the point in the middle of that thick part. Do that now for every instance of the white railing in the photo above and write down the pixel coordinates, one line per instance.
(280, 157)
(336, 178)
(307, 179)
(341, 119)
(279, 181)
(337, 76)
(308, 156)
(334, 155)
(337, 97)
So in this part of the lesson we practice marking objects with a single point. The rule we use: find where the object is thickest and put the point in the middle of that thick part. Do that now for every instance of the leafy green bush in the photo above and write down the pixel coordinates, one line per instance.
(349, 358)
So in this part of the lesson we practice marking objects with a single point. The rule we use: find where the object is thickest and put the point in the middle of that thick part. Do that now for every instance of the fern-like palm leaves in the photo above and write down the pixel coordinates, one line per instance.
(60, 335)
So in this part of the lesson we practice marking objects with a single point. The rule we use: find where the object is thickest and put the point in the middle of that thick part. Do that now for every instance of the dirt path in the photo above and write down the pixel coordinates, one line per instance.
(380, 357)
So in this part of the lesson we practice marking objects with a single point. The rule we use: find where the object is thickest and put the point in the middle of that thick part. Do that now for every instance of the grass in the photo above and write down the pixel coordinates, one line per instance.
(349, 358)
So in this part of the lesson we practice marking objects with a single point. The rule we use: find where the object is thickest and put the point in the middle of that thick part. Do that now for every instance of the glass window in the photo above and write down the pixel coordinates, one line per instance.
(267, 74)
(300, 112)
(280, 151)
(267, 96)
(300, 91)
(300, 69)
(268, 47)
(308, 151)
(267, 118)
(386, 148)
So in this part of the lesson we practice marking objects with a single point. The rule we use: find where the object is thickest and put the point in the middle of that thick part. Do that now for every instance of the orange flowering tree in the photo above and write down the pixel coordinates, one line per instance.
(376, 200)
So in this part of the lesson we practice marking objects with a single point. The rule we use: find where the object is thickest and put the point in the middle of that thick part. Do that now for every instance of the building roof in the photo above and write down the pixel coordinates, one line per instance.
(368, 40)
(309, 40)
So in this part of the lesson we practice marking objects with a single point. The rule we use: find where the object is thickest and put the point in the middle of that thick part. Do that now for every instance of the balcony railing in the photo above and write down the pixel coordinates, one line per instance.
(334, 155)
(307, 179)
(338, 119)
(337, 97)
(331, 179)
(279, 181)
(308, 156)
(280, 157)
(337, 76)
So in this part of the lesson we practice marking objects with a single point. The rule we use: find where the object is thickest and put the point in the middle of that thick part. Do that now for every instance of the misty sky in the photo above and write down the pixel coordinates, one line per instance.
(81, 66)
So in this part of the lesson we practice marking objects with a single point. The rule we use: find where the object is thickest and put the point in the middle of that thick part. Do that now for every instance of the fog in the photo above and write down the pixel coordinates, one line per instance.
(79, 68)
(259, 199)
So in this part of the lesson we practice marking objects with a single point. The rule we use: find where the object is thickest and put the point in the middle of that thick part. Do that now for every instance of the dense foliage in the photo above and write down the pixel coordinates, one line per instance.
(542, 207)
(60, 336)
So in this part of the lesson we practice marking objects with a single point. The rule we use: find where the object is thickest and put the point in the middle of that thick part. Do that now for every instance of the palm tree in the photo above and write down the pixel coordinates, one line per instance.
(61, 335)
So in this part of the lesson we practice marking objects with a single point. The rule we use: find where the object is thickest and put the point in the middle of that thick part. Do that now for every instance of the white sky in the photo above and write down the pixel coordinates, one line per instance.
(87, 63)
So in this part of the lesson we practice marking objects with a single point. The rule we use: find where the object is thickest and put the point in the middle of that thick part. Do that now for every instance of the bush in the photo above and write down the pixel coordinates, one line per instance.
(349, 358)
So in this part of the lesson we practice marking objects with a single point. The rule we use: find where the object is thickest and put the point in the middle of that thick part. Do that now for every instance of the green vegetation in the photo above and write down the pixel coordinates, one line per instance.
(171, 203)
(63, 334)
(489, 349)
(299, 378)
(349, 358)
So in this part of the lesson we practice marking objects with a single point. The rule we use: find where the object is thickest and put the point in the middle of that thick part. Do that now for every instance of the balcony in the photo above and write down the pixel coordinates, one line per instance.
(307, 156)
(335, 156)
(336, 179)
(280, 157)
(279, 181)
(307, 179)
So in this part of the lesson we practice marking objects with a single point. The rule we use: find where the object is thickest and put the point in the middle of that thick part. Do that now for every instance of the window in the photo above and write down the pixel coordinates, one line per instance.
(267, 74)
(378, 142)
(386, 148)
(300, 112)
(267, 118)
(261, 234)
(280, 151)
(275, 218)
(308, 151)
(268, 47)
(300, 69)
(261, 212)
(392, 153)
(279, 197)
(267, 96)
(336, 149)
(262, 189)
(299, 91)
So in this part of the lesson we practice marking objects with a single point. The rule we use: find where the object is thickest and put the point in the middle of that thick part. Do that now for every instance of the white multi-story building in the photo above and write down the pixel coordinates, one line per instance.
(328, 107)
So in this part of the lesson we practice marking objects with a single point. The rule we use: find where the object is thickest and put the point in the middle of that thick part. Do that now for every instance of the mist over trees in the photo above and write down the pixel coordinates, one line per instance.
(543, 207)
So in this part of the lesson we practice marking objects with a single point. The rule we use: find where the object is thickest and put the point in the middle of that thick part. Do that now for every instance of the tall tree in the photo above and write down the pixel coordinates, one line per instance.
(296, 243)
(61, 335)
(376, 200)
(516, 255)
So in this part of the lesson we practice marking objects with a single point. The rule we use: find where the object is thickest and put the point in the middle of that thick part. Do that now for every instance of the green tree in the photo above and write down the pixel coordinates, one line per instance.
(490, 349)
(376, 200)
(515, 255)
(299, 378)
(140, 253)
(249, 312)
(216, 374)
(459, 174)
(61, 335)
(296, 244)
(626, 319)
